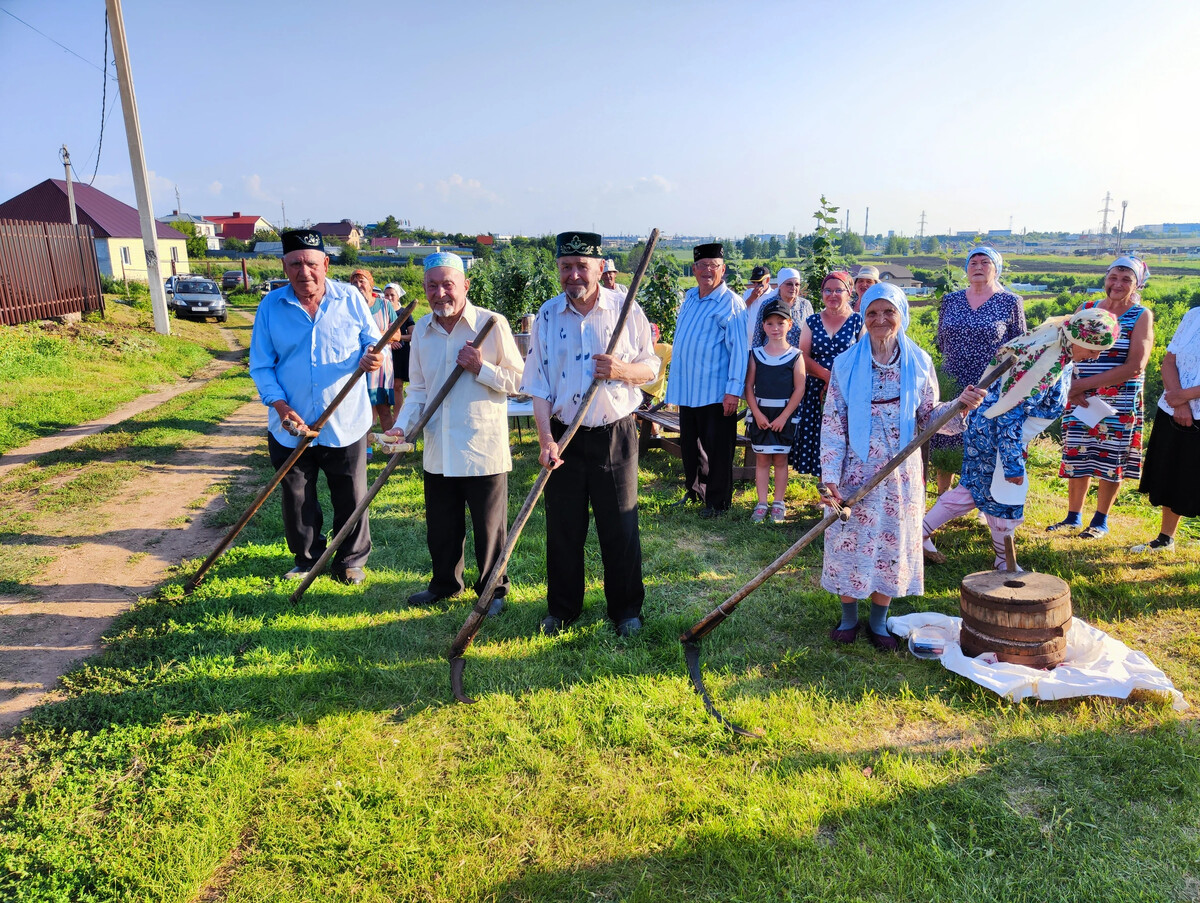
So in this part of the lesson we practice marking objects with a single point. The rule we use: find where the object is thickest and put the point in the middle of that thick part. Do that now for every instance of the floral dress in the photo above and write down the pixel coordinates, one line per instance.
(379, 382)
(878, 550)
(805, 456)
(985, 438)
(968, 339)
(1112, 449)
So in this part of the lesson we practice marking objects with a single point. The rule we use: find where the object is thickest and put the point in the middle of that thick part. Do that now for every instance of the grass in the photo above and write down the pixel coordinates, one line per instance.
(229, 745)
(56, 376)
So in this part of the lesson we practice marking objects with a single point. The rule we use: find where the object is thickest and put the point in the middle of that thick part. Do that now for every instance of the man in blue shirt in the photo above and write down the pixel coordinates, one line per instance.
(309, 337)
(707, 378)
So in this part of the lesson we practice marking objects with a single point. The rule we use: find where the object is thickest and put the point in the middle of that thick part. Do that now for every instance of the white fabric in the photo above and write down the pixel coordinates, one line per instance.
(1001, 490)
(1185, 345)
(1095, 664)
(468, 435)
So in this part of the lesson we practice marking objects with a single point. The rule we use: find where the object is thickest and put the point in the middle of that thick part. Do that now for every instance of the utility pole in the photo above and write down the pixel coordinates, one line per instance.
(137, 160)
(283, 213)
(866, 222)
(178, 205)
(921, 234)
(65, 156)
(1104, 225)
(1121, 228)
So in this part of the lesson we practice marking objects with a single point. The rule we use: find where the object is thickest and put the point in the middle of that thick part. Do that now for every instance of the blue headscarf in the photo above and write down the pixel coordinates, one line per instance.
(991, 254)
(852, 370)
(1141, 272)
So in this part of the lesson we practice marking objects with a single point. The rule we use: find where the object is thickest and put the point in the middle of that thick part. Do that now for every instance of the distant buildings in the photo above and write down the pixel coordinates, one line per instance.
(240, 227)
(345, 231)
(116, 227)
(204, 228)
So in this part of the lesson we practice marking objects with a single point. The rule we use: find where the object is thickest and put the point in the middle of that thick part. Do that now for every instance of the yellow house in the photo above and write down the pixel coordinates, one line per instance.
(116, 227)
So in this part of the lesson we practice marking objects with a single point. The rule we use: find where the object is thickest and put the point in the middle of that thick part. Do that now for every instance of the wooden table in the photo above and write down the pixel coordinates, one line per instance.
(668, 423)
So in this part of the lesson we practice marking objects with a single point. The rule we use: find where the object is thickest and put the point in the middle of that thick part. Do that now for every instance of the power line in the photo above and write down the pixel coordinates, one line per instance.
(51, 40)
(103, 100)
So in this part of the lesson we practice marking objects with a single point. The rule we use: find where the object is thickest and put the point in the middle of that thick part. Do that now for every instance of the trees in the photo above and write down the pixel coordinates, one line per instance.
(389, 228)
(774, 246)
(749, 247)
(197, 245)
(793, 247)
(660, 294)
(850, 244)
(823, 257)
(515, 281)
(931, 245)
(897, 246)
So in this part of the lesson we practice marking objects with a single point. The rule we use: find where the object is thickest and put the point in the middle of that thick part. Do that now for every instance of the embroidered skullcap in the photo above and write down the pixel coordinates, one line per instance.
(301, 240)
(444, 259)
(577, 244)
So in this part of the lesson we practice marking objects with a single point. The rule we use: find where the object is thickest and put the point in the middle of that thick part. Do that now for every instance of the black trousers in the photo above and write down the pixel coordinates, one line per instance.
(716, 434)
(345, 472)
(599, 467)
(446, 528)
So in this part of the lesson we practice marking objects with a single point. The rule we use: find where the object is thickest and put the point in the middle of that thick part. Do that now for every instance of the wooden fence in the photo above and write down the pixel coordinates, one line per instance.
(47, 270)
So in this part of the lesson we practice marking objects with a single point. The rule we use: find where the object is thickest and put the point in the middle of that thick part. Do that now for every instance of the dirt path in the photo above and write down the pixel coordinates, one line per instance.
(150, 528)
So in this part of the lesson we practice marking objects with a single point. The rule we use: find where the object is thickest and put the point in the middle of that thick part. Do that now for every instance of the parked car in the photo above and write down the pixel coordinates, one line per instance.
(199, 299)
(231, 279)
(271, 284)
(169, 285)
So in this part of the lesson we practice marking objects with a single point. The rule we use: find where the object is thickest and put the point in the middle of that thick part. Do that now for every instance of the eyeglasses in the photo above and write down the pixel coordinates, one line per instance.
(834, 291)
(707, 265)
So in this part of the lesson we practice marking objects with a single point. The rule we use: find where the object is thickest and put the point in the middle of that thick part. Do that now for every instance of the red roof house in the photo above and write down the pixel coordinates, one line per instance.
(240, 227)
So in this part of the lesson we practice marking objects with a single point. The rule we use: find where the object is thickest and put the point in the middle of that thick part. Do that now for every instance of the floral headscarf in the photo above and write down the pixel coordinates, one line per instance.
(1044, 353)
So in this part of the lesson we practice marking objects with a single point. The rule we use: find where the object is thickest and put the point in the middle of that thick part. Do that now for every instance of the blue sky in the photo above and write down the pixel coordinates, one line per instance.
(692, 117)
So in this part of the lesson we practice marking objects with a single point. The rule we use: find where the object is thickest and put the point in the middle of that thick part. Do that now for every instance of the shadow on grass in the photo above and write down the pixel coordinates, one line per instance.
(1083, 816)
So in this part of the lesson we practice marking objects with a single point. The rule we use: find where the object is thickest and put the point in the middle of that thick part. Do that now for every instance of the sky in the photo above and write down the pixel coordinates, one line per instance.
(696, 118)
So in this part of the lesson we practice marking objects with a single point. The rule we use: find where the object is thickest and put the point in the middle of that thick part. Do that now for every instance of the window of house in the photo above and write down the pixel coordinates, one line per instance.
(175, 254)
(125, 259)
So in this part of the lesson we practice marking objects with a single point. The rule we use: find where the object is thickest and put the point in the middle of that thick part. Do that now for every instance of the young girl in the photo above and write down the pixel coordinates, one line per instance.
(774, 387)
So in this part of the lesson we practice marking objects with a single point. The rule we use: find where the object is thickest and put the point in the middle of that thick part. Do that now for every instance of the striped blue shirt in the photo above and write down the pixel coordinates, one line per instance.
(304, 360)
(710, 353)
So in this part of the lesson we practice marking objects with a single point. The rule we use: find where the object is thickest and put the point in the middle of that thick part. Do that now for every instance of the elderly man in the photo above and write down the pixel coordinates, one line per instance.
(608, 278)
(568, 348)
(863, 280)
(708, 376)
(309, 337)
(466, 459)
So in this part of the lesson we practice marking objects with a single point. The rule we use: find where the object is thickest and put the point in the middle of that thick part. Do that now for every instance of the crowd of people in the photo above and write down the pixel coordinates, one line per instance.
(834, 394)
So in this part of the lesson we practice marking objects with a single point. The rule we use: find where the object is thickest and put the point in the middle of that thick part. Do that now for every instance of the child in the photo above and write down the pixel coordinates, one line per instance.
(1018, 407)
(774, 387)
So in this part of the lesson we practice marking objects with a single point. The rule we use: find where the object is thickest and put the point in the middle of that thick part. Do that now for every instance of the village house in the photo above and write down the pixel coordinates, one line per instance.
(116, 227)
(240, 227)
(204, 228)
(344, 231)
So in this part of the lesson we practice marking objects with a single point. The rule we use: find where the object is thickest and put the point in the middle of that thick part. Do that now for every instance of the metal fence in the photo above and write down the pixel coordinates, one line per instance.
(47, 270)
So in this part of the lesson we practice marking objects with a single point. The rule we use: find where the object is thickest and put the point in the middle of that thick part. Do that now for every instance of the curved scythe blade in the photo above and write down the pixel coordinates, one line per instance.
(691, 653)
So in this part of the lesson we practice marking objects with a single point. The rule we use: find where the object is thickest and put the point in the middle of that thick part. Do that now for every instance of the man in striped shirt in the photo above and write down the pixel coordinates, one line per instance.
(707, 378)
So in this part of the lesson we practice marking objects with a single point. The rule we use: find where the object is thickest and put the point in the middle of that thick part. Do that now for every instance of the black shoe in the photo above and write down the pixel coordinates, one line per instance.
(628, 627)
(691, 497)
(710, 513)
(551, 626)
(496, 607)
(424, 597)
(351, 576)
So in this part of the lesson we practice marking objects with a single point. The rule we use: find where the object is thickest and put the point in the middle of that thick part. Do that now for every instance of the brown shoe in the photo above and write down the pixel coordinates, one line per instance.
(847, 636)
(885, 642)
(934, 557)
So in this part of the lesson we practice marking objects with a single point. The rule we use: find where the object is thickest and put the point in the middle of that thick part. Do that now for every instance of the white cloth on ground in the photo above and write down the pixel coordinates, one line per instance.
(1096, 664)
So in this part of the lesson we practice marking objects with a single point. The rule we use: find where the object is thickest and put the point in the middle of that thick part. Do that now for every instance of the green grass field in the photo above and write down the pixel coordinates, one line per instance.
(232, 746)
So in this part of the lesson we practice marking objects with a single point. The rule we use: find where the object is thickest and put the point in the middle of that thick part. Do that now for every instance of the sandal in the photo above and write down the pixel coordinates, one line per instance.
(778, 512)
(760, 512)
(1063, 525)
(1094, 533)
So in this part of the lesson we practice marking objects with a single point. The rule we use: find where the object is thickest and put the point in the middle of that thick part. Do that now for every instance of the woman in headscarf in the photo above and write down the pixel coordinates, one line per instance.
(1031, 396)
(863, 280)
(824, 337)
(1170, 476)
(972, 325)
(1110, 451)
(882, 392)
(379, 383)
(401, 345)
(789, 294)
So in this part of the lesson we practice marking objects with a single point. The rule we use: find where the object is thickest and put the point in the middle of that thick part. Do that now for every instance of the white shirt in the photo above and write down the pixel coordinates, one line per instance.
(1185, 345)
(467, 436)
(561, 346)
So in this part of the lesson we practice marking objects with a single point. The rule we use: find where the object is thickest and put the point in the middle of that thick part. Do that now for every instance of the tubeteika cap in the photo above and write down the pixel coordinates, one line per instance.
(709, 251)
(577, 244)
(302, 240)
(444, 259)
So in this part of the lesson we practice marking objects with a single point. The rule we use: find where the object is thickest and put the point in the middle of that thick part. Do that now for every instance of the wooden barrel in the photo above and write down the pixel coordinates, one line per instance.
(1022, 617)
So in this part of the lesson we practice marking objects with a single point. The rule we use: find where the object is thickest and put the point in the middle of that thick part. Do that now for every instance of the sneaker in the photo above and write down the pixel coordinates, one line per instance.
(1158, 544)
(760, 513)
(778, 513)
(1063, 525)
